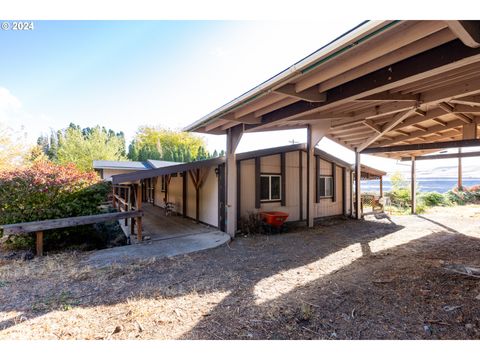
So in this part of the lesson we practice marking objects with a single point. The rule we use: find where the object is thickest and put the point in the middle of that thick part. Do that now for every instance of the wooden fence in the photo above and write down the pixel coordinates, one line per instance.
(39, 226)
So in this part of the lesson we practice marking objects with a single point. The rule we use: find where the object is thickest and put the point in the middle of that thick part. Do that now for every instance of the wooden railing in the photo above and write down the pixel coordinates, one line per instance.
(39, 226)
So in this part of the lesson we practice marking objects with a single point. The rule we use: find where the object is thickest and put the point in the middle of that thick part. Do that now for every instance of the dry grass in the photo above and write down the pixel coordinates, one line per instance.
(342, 280)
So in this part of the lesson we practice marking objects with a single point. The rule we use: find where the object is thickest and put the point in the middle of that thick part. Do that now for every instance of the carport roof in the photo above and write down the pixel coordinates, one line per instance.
(181, 167)
(385, 87)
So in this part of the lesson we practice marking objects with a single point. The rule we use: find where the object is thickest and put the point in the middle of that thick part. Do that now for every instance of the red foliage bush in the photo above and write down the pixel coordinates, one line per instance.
(49, 191)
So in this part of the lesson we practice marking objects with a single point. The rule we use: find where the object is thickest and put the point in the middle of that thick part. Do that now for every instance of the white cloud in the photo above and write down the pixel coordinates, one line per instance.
(9, 105)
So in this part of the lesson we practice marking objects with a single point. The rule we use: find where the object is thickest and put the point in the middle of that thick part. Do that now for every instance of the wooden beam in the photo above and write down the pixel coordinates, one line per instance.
(370, 51)
(466, 109)
(217, 123)
(421, 133)
(466, 30)
(372, 126)
(389, 96)
(429, 115)
(386, 128)
(265, 100)
(473, 100)
(445, 156)
(449, 56)
(34, 226)
(439, 38)
(423, 146)
(311, 95)
(450, 109)
(275, 106)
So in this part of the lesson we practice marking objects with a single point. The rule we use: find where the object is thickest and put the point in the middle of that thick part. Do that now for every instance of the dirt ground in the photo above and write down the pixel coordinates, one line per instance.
(345, 279)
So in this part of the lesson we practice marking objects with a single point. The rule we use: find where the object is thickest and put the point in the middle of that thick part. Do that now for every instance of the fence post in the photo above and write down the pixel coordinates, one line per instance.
(39, 243)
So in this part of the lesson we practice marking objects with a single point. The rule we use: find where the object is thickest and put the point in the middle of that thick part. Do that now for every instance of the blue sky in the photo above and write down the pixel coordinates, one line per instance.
(123, 74)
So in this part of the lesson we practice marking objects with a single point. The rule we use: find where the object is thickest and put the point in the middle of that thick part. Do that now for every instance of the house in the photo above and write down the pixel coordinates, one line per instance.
(273, 179)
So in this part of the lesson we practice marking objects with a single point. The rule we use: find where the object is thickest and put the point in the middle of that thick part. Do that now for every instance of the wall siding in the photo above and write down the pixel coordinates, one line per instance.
(271, 164)
(327, 207)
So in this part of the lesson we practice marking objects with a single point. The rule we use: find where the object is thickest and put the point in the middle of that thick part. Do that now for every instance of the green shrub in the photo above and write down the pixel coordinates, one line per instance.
(434, 199)
(48, 191)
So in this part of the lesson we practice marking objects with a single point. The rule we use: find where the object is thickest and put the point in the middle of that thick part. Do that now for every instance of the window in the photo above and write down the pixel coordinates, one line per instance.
(326, 186)
(163, 183)
(270, 187)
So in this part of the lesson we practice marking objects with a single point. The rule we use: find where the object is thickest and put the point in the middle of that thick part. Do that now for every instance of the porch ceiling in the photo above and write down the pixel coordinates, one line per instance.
(393, 83)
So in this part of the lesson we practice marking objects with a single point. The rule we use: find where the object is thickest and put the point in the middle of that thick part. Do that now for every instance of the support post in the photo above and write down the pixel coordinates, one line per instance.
(358, 194)
(39, 243)
(234, 135)
(184, 194)
(381, 186)
(315, 133)
(460, 179)
(352, 204)
(197, 197)
(414, 187)
(113, 198)
(139, 207)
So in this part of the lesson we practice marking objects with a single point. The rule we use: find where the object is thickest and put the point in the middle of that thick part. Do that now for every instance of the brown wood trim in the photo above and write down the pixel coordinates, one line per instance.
(300, 183)
(197, 197)
(423, 146)
(317, 180)
(282, 179)
(334, 182)
(257, 183)
(184, 194)
(270, 201)
(239, 189)
(344, 191)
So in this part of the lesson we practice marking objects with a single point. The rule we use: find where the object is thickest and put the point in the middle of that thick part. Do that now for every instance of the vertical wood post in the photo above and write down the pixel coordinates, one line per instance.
(184, 194)
(344, 191)
(39, 243)
(314, 134)
(113, 198)
(300, 183)
(139, 207)
(311, 194)
(350, 185)
(234, 135)
(197, 197)
(459, 180)
(358, 195)
(381, 186)
(414, 187)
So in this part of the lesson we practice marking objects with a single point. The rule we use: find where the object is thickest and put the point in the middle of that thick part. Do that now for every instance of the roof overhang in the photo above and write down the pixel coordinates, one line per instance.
(383, 84)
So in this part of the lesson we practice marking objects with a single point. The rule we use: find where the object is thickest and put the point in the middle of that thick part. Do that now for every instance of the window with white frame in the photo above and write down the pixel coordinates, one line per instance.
(326, 186)
(270, 187)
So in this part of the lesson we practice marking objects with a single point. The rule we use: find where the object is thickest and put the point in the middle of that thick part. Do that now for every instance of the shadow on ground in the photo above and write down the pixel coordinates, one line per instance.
(334, 281)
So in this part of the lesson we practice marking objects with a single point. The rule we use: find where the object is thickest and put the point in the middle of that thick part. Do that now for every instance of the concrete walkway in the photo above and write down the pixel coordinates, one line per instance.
(156, 249)
(164, 236)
